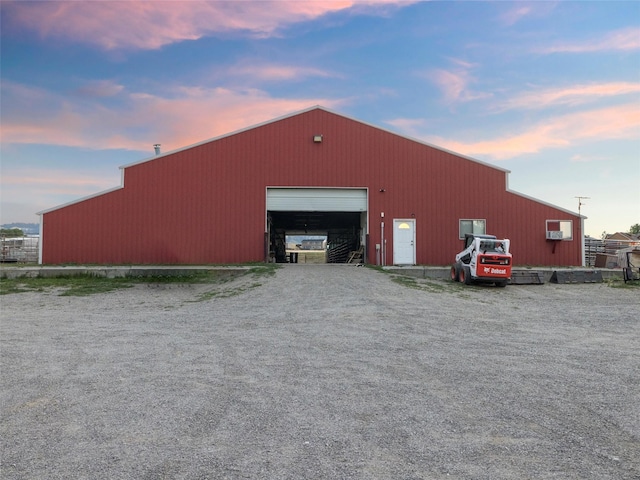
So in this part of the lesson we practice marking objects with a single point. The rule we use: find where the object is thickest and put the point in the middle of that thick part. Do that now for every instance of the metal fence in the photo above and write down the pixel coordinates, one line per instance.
(19, 249)
(592, 247)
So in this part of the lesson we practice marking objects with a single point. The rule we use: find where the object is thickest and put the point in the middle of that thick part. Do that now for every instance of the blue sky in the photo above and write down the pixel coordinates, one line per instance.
(547, 90)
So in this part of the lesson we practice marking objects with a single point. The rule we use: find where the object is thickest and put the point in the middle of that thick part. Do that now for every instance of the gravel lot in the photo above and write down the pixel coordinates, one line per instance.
(322, 372)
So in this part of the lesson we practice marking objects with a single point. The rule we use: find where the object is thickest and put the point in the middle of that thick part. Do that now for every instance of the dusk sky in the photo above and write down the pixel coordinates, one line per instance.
(547, 90)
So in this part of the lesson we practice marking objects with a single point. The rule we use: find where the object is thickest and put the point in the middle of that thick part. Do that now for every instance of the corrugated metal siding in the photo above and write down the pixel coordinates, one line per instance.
(206, 204)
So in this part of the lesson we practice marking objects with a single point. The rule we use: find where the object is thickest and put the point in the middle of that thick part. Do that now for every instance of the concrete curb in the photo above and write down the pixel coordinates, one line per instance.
(417, 271)
(113, 271)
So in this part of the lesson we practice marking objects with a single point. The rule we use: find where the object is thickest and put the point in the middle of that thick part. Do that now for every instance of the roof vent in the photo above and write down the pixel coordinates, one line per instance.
(156, 147)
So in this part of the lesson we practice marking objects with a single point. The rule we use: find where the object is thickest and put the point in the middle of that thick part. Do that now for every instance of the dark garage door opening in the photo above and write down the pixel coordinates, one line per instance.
(343, 232)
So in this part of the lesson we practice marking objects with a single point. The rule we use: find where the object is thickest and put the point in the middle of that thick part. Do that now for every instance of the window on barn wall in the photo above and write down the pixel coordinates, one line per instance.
(559, 229)
(477, 227)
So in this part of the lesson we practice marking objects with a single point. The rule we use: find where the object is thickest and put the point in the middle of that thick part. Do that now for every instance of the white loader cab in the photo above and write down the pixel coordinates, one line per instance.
(485, 259)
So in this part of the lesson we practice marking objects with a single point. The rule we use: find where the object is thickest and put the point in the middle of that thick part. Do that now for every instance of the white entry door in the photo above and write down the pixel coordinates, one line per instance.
(404, 241)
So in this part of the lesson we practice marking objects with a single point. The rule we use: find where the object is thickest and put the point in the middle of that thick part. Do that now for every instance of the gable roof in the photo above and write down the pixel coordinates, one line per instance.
(623, 236)
(302, 112)
(294, 114)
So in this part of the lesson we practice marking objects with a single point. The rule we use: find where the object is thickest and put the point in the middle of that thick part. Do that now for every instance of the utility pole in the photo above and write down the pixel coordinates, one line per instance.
(580, 203)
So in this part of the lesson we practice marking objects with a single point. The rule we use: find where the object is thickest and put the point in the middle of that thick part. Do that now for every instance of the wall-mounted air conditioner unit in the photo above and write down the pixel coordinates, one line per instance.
(554, 235)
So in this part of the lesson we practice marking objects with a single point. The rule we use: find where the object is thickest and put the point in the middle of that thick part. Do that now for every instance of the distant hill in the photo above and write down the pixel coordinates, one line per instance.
(299, 238)
(27, 228)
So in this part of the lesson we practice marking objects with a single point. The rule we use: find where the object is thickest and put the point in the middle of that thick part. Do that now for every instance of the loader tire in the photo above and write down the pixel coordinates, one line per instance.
(455, 272)
(465, 275)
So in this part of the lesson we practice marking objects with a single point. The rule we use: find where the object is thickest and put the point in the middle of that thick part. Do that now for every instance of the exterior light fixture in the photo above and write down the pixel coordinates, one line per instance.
(317, 139)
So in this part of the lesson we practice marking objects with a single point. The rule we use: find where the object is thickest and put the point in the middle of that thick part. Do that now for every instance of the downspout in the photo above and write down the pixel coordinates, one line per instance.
(382, 253)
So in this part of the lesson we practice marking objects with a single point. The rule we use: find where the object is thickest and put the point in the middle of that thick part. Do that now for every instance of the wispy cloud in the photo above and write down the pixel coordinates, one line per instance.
(275, 72)
(452, 84)
(56, 181)
(455, 84)
(570, 96)
(180, 117)
(627, 39)
(518, 11)
(620, 122)
(153, 24)
(100, 88)
(515, 14)
(407, 122)
(580, 158)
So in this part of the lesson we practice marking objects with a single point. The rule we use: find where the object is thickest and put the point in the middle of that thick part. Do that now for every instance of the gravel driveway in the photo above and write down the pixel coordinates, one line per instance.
(322, 372)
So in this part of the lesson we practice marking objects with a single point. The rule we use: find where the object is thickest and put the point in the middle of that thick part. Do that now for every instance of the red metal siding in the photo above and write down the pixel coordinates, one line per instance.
(206, 204)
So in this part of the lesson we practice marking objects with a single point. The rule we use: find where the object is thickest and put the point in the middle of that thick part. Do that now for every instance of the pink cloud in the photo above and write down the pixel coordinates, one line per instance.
(152, 24)
(621, 122)
(277, 72)
(45, 130)
(189, 119)
(54, 178)
(455, 84)
(625, 39)
(520, 10)
(184, 116)
(37, 189)
(451, 84)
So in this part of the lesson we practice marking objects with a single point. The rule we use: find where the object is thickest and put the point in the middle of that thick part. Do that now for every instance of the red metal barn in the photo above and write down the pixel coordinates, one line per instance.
(234, 198)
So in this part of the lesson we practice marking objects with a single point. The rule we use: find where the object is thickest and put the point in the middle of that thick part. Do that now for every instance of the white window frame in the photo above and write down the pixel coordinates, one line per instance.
(474, 222)
(566, 230)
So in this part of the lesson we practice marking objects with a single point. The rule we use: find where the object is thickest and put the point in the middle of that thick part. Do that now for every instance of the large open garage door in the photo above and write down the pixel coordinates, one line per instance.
(339, 214)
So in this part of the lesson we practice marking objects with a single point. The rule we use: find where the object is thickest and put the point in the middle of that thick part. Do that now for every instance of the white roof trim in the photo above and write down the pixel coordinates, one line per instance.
(82, 199)
(547, 204)
(537, 200)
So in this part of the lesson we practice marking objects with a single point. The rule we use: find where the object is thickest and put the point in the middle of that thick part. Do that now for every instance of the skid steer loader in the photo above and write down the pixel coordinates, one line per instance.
(485, 259)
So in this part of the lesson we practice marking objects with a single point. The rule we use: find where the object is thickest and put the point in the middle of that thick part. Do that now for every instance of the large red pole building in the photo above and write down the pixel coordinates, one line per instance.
(232, 199)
